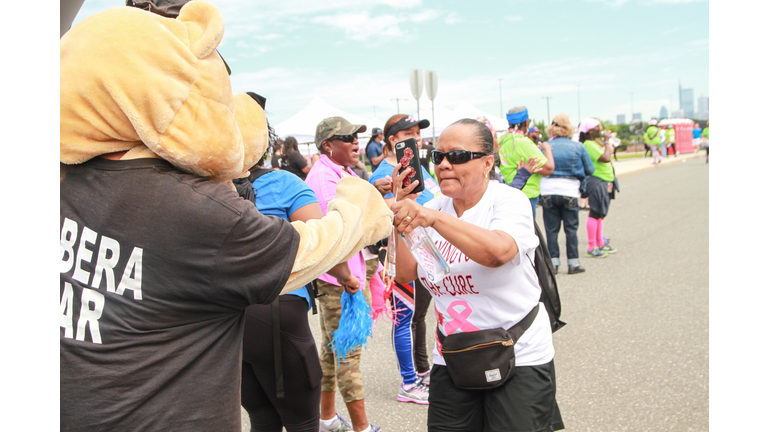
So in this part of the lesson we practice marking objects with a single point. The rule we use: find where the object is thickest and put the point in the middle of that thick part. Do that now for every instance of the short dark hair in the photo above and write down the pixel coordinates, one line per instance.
(483, 135)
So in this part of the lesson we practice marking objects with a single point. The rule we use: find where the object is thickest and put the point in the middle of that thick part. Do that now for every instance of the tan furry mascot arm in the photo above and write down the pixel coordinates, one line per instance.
(357, 217)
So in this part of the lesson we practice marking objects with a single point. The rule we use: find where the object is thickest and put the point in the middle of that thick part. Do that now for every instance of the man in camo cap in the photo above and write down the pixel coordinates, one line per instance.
(336, 140)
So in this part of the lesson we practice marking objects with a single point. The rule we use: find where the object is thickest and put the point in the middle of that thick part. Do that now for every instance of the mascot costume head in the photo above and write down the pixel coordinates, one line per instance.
(149, 84)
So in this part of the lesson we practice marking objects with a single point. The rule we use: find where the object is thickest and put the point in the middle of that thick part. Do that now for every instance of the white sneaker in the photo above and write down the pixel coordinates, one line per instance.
(415, 393)
(338, 425)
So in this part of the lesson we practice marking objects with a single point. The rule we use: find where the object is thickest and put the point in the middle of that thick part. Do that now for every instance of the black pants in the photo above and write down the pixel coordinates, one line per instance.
(527, 402)
(299, 411)
(422, 299)
(561, 209)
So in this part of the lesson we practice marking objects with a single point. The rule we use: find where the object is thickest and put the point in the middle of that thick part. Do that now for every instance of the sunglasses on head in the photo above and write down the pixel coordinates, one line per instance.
(345, 138)
(455, 157)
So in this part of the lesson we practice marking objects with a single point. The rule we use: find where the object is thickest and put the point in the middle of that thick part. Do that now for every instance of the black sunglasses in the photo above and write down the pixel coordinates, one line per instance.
(455, 157)
(345, 138)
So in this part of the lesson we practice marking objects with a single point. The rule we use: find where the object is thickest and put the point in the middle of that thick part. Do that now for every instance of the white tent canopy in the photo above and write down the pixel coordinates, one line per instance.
(465, 110)
(303, 124)
(443, 118)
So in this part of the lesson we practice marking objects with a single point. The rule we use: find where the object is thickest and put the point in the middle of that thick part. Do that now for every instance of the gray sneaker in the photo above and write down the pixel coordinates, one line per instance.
(423, 378)
(596, 253)
(338, 425)
(608, 249)
(416, 393)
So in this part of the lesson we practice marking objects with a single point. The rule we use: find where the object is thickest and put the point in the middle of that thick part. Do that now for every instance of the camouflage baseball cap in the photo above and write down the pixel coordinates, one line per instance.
(335, 126)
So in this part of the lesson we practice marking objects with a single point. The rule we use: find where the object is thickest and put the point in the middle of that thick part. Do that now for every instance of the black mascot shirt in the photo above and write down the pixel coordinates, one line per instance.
(157, 267)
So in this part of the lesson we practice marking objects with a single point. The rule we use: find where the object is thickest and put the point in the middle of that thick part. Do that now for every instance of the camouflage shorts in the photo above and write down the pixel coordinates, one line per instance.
(347, 373)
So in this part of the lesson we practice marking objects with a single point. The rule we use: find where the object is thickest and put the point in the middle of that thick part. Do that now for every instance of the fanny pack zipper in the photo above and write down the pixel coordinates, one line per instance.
(485, 345)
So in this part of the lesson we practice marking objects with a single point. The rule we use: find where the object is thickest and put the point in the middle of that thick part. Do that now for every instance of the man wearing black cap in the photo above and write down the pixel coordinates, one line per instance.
(374, 148)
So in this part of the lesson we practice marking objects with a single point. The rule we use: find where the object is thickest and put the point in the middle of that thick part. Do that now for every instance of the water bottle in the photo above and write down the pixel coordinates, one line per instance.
(391, 272)
(426, 254)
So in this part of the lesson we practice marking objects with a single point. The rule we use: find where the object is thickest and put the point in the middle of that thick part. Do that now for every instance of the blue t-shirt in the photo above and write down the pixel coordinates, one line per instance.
(373, 150)
(280, 193)
(696, 133)
(431, 189)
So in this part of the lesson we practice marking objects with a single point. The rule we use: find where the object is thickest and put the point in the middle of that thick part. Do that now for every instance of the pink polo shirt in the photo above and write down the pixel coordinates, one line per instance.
(322, 178)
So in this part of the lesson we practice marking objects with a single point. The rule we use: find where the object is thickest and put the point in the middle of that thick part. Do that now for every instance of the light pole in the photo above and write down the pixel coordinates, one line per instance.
(578, 101)
(547, 98)
(501, 109)
(398, 103)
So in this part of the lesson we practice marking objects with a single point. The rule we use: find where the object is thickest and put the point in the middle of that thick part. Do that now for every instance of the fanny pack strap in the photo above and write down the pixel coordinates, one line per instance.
(516, 331)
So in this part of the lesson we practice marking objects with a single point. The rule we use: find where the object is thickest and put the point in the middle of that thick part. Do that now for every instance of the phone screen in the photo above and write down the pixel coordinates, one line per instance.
(407, 153)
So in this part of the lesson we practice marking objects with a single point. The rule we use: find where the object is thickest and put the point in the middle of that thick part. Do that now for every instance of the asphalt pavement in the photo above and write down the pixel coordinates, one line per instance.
(634, 355)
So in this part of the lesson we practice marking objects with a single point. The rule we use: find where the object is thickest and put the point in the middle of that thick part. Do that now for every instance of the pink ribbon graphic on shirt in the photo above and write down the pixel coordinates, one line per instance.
(459, 318)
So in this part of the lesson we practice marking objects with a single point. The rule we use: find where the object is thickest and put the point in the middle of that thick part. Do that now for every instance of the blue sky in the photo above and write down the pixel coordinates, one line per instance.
(357, 55)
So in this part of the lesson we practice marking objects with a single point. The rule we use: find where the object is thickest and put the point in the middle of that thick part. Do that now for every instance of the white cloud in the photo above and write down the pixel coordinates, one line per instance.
(400, 3)
(425, 15)
(361, 26)
(678, 1)
(454, 18)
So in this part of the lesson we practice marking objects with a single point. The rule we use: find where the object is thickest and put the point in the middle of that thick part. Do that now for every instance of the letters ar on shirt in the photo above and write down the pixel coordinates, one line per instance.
(78, 246)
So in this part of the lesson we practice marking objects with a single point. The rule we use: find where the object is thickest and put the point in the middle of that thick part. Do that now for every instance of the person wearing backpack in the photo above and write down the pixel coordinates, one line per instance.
(280, 385)
(486, 231)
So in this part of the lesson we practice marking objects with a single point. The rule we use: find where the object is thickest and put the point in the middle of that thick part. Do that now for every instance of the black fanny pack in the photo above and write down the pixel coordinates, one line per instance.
(483, 359)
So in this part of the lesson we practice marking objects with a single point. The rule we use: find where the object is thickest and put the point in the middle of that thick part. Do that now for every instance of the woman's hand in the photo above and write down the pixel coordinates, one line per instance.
(348, 281)
(397, 184)
(409, 214)
(383, 185)
(532, 165)
(344, 277)
(351, 285)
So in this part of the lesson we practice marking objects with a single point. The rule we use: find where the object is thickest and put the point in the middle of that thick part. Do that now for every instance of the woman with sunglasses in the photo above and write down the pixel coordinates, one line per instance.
(489, 230)
(336, 140)
(410, 301)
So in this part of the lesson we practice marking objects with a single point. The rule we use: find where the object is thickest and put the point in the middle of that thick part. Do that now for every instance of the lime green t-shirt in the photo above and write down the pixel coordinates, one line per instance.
(513, 147)
(670, 135)
(649, 138)
(705, 132)
(603, 170)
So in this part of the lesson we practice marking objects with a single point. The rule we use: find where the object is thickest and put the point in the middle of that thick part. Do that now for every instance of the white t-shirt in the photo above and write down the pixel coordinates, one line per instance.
(474, 297)
(560, 186)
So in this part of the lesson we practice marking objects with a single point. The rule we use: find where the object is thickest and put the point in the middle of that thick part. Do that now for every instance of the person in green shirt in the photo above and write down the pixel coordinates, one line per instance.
(670, 134)
(599, 186)
(652, 138)
(516, 147)
(705, 134)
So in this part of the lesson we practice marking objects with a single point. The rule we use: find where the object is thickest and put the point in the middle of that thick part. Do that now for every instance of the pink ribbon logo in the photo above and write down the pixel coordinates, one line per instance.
(459, 318)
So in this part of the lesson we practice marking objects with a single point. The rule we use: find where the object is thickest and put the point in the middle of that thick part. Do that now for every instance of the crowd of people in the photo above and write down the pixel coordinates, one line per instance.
(212, 310)
(660, 141)
(471, 204)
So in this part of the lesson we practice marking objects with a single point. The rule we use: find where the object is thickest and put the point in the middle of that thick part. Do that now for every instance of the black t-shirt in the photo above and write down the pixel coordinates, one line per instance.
(294, 162)
(157, 267)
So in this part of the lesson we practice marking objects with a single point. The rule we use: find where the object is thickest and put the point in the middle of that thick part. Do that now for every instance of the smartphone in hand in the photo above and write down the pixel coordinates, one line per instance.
(407, 154)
